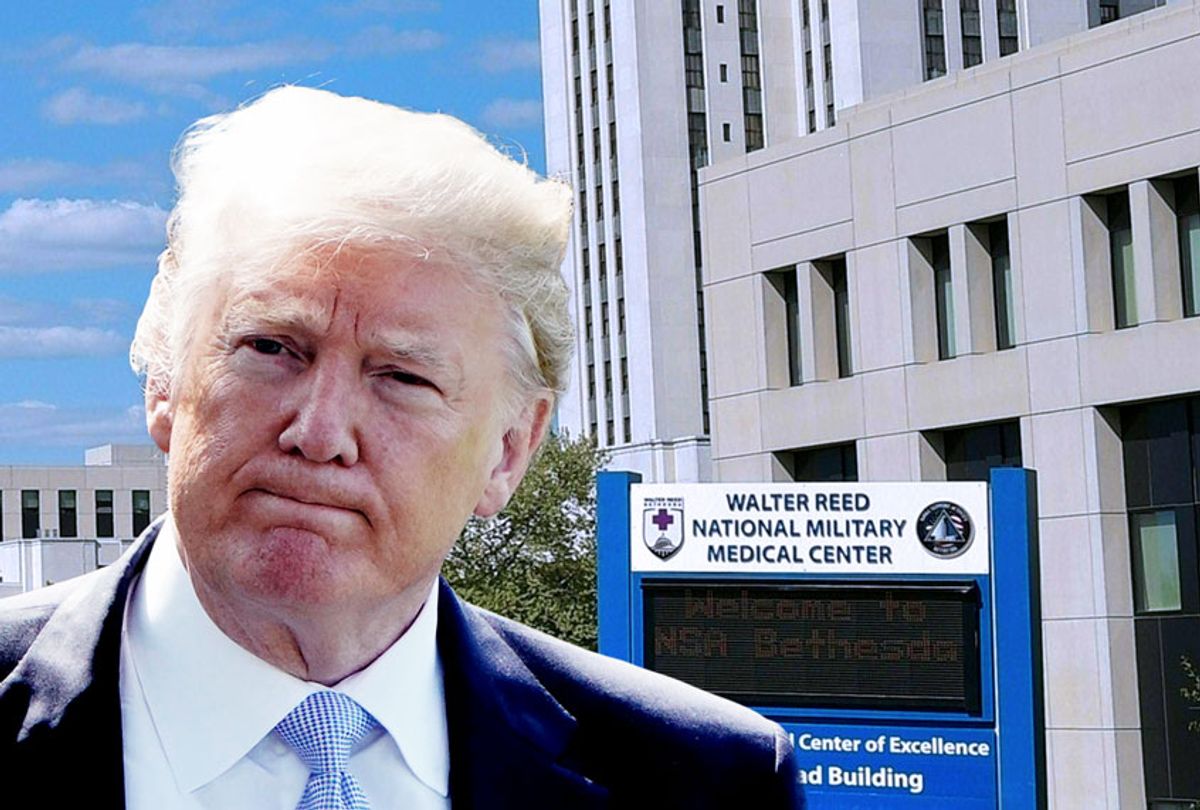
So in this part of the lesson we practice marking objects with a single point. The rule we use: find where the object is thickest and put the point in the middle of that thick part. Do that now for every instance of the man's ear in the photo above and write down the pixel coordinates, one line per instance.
(159, 416)
(520, 442)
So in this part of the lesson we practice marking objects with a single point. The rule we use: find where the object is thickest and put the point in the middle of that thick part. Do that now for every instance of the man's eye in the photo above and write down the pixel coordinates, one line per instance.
(408, 379)
(266, 346)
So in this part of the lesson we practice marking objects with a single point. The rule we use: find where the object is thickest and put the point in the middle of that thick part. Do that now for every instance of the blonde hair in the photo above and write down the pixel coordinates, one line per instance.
(300, 169)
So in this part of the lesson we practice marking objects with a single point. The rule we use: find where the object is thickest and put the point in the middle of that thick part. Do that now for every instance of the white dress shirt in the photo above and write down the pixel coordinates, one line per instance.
(199, 711)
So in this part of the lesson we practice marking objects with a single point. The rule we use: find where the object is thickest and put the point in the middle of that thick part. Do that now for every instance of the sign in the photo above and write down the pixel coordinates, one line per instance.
(891, 629)
(894, 766)
(765, 644)
(825, 529)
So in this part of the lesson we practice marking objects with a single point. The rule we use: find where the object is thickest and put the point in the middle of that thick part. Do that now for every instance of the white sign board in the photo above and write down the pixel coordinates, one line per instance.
(896, 528)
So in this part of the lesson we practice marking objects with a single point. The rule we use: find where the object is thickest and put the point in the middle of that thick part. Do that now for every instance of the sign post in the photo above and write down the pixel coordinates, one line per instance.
(890, 628)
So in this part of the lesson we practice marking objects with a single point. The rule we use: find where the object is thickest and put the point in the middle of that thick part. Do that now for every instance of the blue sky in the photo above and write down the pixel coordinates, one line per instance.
(94, 97)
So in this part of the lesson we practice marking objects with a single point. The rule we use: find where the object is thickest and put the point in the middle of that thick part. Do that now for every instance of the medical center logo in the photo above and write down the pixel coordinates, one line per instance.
(945, 529)
(662, 526)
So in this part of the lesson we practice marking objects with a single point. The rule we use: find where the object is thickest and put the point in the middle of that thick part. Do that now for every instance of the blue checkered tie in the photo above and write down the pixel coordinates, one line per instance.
(323, 730)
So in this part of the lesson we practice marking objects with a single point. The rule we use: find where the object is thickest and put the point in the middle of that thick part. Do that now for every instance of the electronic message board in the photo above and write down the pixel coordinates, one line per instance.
(889, 628)
(882, 646)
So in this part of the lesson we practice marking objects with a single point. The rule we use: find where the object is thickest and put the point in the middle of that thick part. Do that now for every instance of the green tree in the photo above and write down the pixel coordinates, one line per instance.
(536, 561)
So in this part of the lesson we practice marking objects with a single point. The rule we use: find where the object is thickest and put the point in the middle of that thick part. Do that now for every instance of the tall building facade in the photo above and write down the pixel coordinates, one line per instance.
(640, 95)
(1001, 267)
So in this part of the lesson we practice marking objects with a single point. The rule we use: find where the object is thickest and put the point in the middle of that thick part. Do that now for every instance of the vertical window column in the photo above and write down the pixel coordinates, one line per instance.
(752, 106)
(1121, 259)
(1156, 250)
(104, 513)
(934, 33)
(984, 287)
(972, 33)
(931, 298)
(1009, 25)
(140, 501)
(823, 320)
(31, 520)
(810, 99)
(68, 523)
(827, 66)
(1104, 238)
(781, 321)
(1187, 220)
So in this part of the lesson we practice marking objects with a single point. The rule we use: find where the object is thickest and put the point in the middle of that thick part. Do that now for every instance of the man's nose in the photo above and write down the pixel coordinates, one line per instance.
(323, 424)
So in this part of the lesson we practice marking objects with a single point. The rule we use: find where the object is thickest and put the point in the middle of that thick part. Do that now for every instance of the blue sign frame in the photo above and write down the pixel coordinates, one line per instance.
(1011, 715)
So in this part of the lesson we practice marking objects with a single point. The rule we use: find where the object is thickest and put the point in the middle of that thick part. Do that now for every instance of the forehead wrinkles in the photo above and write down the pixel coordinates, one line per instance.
(278, 308)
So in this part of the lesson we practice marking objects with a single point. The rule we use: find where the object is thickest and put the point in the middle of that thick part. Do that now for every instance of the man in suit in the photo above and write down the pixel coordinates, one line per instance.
(354, 341)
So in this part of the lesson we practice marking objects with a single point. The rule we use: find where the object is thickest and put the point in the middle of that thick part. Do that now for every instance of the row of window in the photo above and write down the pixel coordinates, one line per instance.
(967, 453)
(933, 31)
(68, 513)
(819, 291)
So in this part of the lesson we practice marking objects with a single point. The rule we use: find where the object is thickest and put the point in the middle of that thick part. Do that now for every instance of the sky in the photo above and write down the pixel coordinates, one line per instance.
(93, 97)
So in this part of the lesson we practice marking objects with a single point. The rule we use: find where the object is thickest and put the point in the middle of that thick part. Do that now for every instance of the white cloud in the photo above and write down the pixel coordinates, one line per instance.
(79, 312)
(165, 67)
(43, 235)
(59, 341)
(102, 310)
(32, 422)
(28, 174)
(374, 7)
(35, 404)
(179, 20)
(380, 40)
(79, 106)
(504, 113)
(503, 55)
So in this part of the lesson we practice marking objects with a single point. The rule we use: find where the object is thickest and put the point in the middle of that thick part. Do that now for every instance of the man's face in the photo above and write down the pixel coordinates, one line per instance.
(333, 430)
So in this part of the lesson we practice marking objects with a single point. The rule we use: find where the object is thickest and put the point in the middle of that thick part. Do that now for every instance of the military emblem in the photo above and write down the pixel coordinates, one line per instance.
(662, 526)
(945, 529)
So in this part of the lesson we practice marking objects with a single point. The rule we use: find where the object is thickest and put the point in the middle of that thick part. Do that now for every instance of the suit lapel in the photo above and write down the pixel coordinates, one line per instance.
(508, 735)
(66, 705)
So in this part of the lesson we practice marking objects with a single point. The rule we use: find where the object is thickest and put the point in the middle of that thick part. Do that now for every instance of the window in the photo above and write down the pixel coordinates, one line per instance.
(833, 274)
(751, 78)
(721, 14)
(835, 462)
(972, 33)
(1156, 583)
(724, 72)
(141, 510)
(30, 513)
(104, 513)
(935, 40)
(783, 282)
(1160, 443)
(1110, 11)
(67, 523)
(943, 296)
(1002, 284)
(970, 453)
(1187, 216)
(1006, 13)
(1120, 247)
(725, 132)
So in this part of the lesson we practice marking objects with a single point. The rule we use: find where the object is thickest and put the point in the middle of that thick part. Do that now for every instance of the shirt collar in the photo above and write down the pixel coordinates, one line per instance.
(212, 701)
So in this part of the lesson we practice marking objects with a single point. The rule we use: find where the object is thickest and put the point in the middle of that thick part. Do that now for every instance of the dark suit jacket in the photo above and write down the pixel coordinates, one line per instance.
(534, 722)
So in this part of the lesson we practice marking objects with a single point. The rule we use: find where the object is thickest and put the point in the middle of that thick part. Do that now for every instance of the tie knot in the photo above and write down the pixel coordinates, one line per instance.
(324, 729)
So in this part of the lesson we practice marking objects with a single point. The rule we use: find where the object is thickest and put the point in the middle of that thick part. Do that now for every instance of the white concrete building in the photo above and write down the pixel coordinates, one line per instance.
(59, 522)
(1001, 267)
(640, 94)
